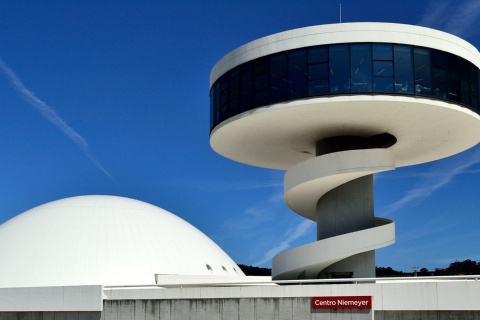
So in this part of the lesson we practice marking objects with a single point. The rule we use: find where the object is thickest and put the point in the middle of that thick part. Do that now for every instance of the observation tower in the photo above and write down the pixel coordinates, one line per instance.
(334, 104)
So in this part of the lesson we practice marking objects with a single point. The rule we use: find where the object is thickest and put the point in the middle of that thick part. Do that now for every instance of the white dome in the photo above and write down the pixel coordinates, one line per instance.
(104, 240)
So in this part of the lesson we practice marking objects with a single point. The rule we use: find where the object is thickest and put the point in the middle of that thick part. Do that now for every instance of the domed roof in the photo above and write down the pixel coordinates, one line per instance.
(104, 240)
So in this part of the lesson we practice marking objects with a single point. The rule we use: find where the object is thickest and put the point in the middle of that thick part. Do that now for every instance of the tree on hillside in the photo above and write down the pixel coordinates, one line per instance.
(424, 272)
(255, 271)
(465, 267)
(389, 272)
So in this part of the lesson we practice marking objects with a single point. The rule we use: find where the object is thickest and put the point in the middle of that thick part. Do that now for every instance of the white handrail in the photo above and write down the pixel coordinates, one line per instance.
(305, 281)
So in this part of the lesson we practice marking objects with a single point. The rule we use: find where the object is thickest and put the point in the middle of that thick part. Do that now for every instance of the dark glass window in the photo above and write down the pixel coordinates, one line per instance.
(439, 74)
(318, 71)
(423, 77)
(382, 55)
(474, 87)
(464, 82)
(382, 51)
(234, 89)
(345, 69)
(339, 68)
(402, 56)
(297, 73)
(318, 54)
(278, 77)
(214, 100)
(383, 68)
(453, 78)
(246, 86)
(224, 96)
(318, 87)
(383, 84)
(361, 67)
(260, 81)
(318, 79)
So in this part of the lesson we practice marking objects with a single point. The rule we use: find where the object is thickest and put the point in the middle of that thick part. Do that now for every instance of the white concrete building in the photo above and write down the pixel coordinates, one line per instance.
(105, 257)
(107, 240)
(334, 104)
(331, 104)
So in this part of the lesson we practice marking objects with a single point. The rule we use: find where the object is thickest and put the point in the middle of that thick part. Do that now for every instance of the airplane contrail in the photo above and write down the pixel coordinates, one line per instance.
(51, 115)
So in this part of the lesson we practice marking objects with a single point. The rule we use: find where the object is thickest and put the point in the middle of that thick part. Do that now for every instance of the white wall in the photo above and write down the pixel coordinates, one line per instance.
(397, 295)
(78, 298)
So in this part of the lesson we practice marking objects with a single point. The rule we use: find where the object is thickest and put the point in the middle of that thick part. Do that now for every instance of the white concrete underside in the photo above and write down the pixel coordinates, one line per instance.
(281, 135)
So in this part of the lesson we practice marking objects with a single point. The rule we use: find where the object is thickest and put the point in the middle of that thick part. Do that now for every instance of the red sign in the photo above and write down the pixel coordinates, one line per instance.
(350, 302)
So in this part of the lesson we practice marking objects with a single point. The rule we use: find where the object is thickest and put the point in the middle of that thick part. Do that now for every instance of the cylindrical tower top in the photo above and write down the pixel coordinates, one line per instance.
(355, 32)
(274, 98)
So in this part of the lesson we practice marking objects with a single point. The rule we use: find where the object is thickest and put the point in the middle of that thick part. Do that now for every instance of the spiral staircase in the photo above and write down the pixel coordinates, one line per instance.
(305, 185)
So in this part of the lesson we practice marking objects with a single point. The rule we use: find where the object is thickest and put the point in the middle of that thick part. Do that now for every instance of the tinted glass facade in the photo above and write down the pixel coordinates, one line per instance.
(357, 68)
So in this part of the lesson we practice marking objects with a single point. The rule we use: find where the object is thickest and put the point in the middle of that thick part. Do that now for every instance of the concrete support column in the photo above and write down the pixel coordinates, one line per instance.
(348, 208)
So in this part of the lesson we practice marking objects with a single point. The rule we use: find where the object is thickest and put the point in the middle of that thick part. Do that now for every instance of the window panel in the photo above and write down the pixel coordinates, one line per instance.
(403, 65)
(297, 73)
(383, 85)
(260, 81)
(278, 77)
(339, 68)
(439, 74)
(234, 92)
(383, 68)
(246, 87)
(473, 86)
(318, 71)
(260, 89)
(382, 51)
(464, 82)
(422, 71)
(453, 78)
(318, 87)
(318, 79)
(361, 67)
(223, 96)
(318, 54)
(214, 104)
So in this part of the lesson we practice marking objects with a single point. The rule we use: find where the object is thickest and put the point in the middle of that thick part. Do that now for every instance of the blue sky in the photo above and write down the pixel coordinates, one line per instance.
(111, 97)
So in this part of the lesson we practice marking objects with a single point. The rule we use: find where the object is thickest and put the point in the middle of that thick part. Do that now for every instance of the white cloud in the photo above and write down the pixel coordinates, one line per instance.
(51, 115)
(440, 176)
(436, 13)
(463, 17)
(254, 218)
(274, 182)
(223, 185)
(453, 17)
(290, 236)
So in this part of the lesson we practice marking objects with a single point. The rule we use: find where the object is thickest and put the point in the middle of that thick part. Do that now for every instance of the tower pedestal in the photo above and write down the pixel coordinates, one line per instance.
(348, 208)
